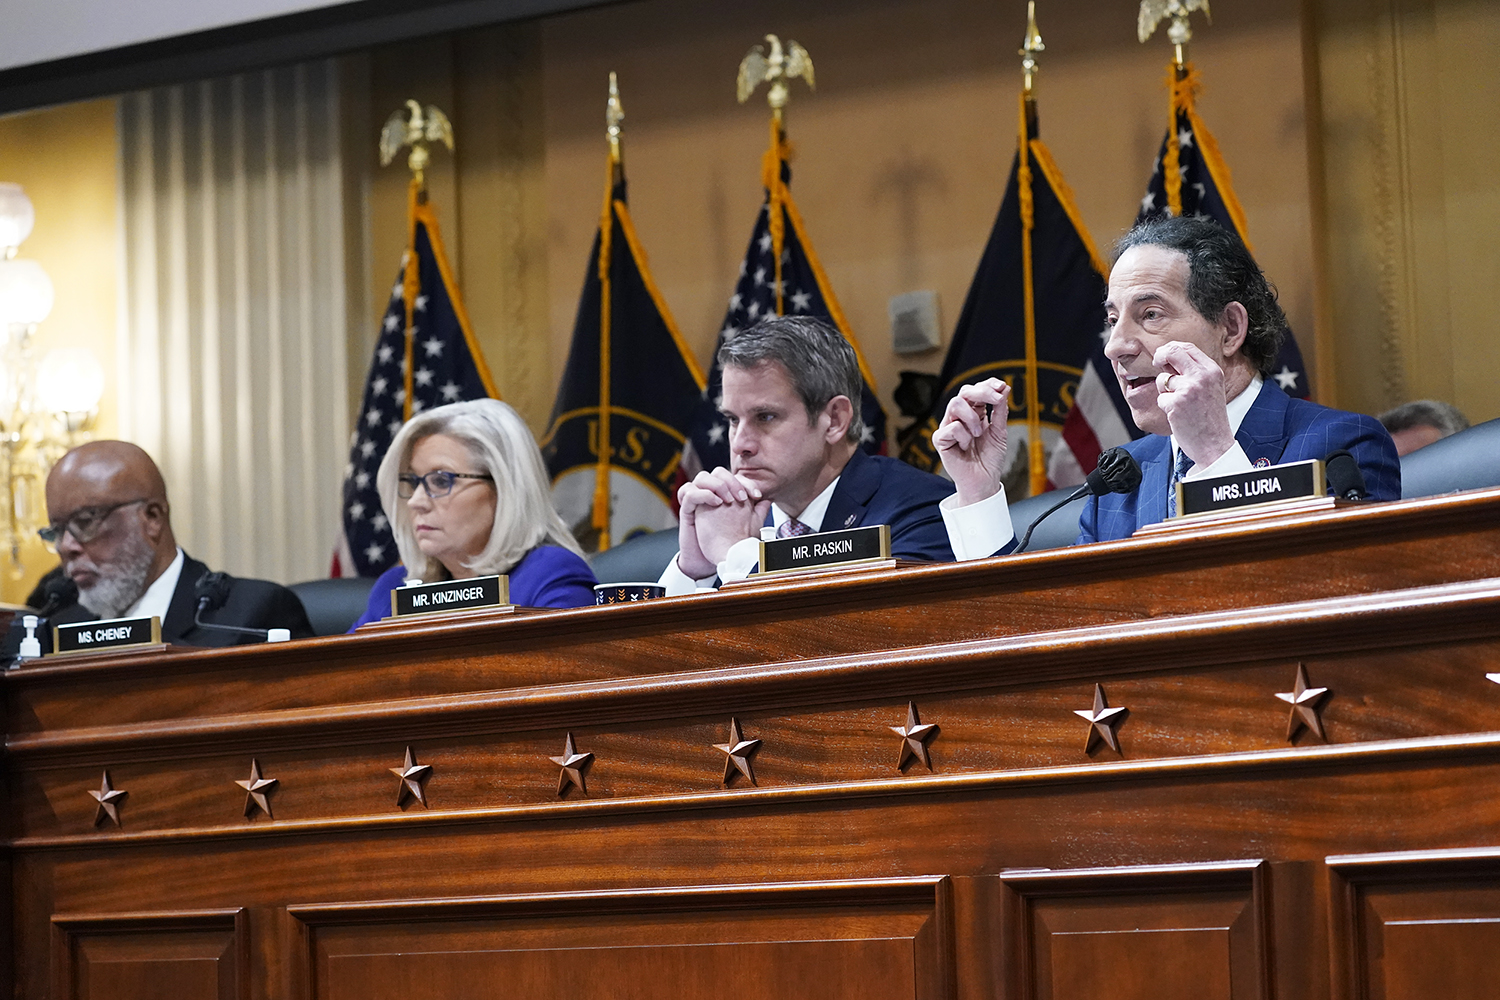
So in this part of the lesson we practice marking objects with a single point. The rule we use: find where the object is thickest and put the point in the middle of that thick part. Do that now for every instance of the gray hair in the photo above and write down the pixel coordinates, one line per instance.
(502, 446)
(818, 359)
(1220, 271)
(1425, 413)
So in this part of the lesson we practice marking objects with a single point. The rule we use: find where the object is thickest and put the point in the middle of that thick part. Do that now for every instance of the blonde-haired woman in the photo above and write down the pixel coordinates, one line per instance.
(465, 491)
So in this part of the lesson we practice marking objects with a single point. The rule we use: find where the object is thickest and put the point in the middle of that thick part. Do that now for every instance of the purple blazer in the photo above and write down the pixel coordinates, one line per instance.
(548, 576)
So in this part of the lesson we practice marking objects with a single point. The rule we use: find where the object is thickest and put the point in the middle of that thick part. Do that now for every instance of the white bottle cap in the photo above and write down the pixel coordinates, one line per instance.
(31, 646)
(279, 635)
(768, 534)
(412, 581)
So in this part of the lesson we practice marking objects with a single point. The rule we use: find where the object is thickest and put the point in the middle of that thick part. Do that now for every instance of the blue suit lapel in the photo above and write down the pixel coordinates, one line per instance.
(1263, 433)
(1156, 471)
(851, 497)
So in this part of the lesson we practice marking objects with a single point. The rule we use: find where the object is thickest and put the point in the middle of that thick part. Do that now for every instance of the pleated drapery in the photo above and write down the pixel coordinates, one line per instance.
(233, 355)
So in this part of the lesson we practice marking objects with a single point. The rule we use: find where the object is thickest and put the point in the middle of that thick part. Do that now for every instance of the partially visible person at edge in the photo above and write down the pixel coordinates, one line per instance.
(1422, 422)
(465, 491)
(112, 527)
(1193, 333)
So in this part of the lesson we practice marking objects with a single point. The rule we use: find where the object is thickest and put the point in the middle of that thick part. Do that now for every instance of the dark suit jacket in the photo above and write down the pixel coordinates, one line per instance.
(251, 604)
(873, 489)
(1277, 429)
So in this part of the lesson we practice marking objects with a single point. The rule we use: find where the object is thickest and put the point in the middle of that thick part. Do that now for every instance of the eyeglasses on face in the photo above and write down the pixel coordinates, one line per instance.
(437, 484)
(84, 524)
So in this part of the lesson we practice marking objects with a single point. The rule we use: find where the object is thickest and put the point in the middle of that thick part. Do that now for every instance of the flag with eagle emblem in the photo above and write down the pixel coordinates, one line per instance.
(780, 275)
(1189, 177)
(425, 356)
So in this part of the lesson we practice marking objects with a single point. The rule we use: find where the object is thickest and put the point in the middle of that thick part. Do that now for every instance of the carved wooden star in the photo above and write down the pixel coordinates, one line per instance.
(108, 797)
(914, 736)
(573, 765)
(413, 780)
(257, 791)
(737, 753)
(1307, 704)
(1102, 721)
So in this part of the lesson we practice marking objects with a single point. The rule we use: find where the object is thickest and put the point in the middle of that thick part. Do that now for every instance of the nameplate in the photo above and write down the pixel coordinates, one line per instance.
(112, 633)
(1272, 484)
(450, 595)
(826, 548)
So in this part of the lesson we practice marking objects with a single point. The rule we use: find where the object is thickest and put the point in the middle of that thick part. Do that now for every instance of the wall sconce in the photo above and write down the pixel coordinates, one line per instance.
(44, 409)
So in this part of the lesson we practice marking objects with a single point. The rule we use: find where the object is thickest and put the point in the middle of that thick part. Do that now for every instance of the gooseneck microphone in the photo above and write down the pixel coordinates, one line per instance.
(1344, 478)
(58, 594)
(1117, 472)
(211, 592)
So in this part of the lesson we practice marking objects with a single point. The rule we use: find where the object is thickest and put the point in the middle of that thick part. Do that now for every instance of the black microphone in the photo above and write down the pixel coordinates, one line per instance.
(1344, 477)
(58, 594)
(212, 591)
(1117, 472)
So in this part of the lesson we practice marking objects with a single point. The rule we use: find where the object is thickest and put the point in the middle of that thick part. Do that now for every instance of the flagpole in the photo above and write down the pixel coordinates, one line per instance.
(1030, 46)
(1180, 82)
(614, 114)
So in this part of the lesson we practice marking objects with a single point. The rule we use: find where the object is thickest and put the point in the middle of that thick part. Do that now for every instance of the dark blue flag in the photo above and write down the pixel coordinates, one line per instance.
(642, 409)
(780, 275)
(1035, 338)
(1189, 177)
(425, 356)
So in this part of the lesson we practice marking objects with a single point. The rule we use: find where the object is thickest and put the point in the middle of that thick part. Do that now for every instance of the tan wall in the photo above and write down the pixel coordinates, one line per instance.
(1410, 104)
(64, 158)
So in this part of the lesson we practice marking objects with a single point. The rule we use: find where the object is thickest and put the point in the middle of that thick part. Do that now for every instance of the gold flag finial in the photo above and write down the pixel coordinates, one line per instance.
(415, 126)
(614, 114)
(1030, 46)
(778, 67)
(1179, 32)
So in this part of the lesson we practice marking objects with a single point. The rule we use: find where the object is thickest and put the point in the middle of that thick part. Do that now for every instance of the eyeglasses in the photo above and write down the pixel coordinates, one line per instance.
(83, 524)
(437, 484)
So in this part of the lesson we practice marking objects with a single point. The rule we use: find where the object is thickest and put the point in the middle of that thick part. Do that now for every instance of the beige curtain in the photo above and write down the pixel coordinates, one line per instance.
(233, 340)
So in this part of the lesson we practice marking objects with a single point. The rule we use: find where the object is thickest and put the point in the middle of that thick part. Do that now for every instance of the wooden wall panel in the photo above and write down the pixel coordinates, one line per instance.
(185, 955)
(1419, 926)
(1194, 932)
(882, 939)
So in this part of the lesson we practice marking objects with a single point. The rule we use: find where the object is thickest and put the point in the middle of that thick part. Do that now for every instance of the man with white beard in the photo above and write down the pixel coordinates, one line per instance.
(111, 524)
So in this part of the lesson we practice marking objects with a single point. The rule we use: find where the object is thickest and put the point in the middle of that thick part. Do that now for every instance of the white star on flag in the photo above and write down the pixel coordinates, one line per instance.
(716, 433)
(396, 292)
(385, 353)
(394, 426)
(417, 406)
(729, 331)
(367, 448)
(379, 521)
(377, 387)
(800, 301)
(765, 243)
(433, 347)
(451, 392)
(760, 276)
(372, 417)
(400, 396)
(420, 305)
(356, 510)
(1202, 190)
(1185, 138)
(362, 479)
(735, 302)
(754, 310)
(392, 322)
(1148, 203)
(1286, 378)
(866, 435)
(374, 552)
(423, 377)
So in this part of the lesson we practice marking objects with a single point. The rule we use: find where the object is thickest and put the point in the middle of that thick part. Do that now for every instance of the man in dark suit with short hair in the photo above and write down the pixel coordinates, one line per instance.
(791, 386)
(111, 524)
(1193, 331)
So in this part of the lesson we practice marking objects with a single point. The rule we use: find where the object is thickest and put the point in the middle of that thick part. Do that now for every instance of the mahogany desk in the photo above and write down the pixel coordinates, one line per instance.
(1209, 856)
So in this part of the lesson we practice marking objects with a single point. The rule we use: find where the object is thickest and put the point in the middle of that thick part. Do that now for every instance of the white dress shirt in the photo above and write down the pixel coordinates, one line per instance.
(745, 553)
(981, 529)
(158, 596)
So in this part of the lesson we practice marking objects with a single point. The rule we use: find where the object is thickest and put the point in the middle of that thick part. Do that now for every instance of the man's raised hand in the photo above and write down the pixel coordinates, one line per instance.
(1190, 391)
(718, 509)
(971, 444)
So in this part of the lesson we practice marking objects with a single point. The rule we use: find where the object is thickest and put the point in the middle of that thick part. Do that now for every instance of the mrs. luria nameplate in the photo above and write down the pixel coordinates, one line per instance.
(450, 595)
(89, 637)
(826, 548)
(1272, 484)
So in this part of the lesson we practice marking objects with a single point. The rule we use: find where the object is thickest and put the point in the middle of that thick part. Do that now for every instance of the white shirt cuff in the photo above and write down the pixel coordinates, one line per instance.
(1232, 461)
(742, 557)
(980, 529)
(678, 583)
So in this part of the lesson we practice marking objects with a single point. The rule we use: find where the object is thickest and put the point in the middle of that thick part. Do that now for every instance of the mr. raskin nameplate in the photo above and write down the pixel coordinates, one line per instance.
(112, 633)
(826, 548)
(450, 595)
(1272, 484)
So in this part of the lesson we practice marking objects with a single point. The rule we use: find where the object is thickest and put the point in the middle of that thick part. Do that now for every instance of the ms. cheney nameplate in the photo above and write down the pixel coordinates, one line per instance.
(450, 595)
(826, 548)
(1272, 484)
(88, 637)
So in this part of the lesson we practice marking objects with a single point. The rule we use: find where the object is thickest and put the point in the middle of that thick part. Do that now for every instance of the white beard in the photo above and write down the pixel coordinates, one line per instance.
(121, 582)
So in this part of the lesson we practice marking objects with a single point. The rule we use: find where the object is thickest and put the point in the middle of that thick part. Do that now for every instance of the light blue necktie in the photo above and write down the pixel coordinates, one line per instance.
(1179, 471)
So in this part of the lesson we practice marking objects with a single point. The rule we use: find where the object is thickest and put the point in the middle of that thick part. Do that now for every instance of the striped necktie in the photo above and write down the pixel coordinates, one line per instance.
(791, 528)
(1179, 472)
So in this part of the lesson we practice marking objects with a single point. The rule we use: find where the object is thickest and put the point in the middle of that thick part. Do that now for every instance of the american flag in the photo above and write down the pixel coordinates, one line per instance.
(1197, 185)
(804, 292)
(425, 356)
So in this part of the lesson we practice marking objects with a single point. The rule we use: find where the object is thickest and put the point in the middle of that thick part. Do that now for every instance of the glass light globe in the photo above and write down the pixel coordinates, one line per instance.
(25, 292)
(69, 380)
(16, 216)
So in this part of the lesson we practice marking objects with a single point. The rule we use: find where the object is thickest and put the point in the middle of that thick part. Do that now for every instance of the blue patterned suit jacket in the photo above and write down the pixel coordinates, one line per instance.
(1279, 429)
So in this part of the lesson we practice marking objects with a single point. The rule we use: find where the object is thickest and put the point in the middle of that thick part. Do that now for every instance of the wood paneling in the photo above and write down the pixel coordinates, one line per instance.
(185, 955)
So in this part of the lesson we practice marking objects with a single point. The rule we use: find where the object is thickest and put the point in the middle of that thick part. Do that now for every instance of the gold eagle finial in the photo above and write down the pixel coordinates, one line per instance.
(1030, 46)
(778, 67)
(614, 114)
(1179, 32)
(415, 126)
